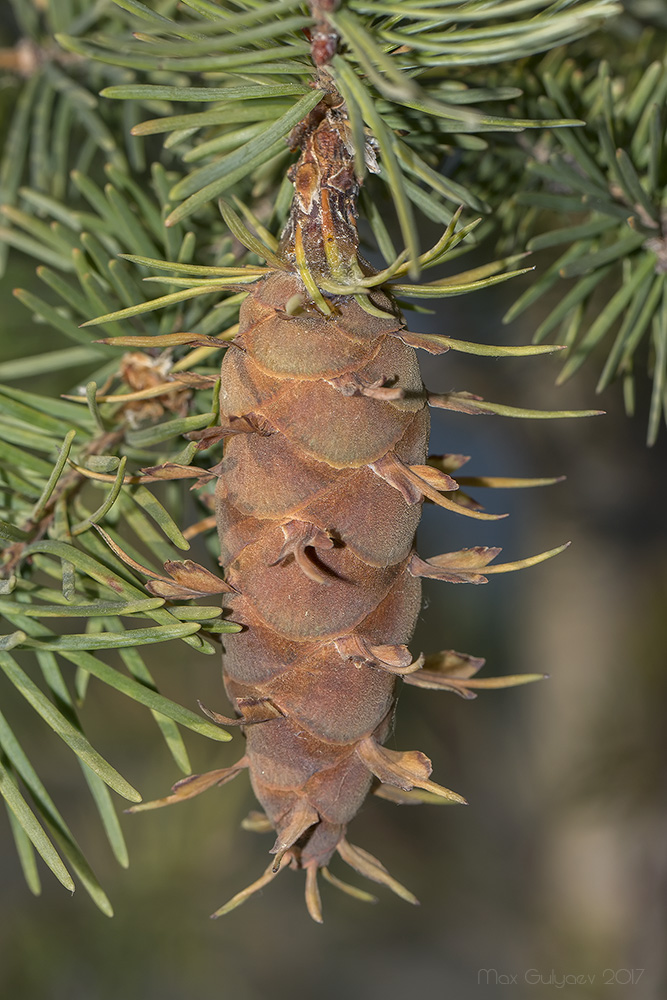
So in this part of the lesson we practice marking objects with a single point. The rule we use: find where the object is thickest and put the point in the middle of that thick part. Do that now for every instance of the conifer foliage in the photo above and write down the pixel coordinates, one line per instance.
(223, 152)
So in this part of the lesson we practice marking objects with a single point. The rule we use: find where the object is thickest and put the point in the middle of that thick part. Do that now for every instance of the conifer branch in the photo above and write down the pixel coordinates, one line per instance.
(435, 112)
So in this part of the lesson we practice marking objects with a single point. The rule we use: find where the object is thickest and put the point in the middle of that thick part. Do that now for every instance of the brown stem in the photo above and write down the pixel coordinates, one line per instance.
(322, 222)
(323, 38)
(321, 232)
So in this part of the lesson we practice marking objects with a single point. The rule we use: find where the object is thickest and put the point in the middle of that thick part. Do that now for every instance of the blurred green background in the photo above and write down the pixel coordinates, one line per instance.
(557, 868)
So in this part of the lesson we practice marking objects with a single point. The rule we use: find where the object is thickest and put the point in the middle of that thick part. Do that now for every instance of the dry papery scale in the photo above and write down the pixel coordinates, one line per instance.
(326, 422)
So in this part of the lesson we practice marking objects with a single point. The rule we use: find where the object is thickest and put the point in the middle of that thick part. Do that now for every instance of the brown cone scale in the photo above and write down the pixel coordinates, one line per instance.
(316, 546)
